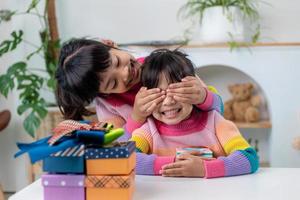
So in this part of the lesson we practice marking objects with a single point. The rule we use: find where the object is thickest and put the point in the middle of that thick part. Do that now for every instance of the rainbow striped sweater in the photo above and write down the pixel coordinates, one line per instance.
(157, 142)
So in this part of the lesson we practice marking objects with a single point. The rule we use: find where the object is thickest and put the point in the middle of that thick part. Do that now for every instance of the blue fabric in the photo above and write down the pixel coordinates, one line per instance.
(90, 137)
(41, 149)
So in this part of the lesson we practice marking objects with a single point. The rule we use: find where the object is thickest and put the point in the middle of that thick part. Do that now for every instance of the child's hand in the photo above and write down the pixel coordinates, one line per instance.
(186, 165)
(109, 43)
(190, 90)
(145, 103)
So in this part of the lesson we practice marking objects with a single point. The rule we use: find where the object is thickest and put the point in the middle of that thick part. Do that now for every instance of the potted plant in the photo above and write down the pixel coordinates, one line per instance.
(21, 75)
(224, 21)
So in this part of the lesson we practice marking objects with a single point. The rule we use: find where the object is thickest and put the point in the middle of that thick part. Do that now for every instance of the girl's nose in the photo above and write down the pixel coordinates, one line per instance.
(169, 100)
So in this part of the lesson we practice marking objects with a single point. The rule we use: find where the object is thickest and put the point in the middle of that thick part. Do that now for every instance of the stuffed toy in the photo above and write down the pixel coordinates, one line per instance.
(296, 143)
(244, 106)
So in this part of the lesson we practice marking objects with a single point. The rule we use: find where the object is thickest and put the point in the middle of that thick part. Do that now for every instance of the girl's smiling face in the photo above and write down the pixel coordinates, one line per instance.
(170, 111)
(124, 72)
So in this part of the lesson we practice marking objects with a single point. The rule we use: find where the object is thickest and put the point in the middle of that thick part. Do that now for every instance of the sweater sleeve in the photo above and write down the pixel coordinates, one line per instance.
(147, 163)
(212, 101)
(240, 157)
(111, 116)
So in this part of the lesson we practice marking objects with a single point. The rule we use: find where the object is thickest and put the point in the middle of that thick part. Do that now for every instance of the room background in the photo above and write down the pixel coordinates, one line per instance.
(123, 21)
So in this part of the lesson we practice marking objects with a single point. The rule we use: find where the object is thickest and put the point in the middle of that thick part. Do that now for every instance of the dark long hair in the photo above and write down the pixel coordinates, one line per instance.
(174, 64)
(78, 81)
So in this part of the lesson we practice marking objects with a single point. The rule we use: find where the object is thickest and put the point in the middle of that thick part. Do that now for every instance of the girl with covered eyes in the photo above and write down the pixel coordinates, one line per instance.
(90, 71)
(181, 124)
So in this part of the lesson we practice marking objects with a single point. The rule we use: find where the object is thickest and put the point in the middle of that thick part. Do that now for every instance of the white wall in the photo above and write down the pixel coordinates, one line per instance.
(122, 21)
(138, 20)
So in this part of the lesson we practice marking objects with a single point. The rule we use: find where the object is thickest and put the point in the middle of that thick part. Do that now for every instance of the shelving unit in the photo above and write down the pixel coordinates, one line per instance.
(264, 164)
(261, 124)
(222, 45)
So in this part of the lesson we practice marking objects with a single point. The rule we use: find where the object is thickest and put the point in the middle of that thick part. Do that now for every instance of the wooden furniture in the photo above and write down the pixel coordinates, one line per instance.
(1, 193)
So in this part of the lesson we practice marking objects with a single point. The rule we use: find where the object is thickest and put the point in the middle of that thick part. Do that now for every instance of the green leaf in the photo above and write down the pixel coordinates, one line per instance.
(9, 45)
(32, 5)
(51, 83)
(17, 39)
(5, 15)
(31, 123)
(4, 86)
(22, 108)
(41, 111)
(16, 69)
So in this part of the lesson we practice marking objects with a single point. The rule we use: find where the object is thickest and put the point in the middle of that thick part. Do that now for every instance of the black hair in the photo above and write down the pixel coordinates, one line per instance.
(174, 64)
(78, 81)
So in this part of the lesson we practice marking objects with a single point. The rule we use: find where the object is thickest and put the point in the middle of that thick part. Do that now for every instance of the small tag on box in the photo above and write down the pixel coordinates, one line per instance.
(203, 152)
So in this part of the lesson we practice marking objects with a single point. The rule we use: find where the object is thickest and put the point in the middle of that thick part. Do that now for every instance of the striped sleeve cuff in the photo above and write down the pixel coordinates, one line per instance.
(131, 125)
(214, 168)
(161, 161)
(207, 104)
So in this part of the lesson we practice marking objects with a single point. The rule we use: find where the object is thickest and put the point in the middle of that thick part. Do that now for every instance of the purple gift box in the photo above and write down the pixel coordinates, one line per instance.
(63, 187)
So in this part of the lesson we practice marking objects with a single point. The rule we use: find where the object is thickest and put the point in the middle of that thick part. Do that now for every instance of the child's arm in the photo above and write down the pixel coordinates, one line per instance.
(147, 164)
(111, 116)
(212, 101)
(241, 157)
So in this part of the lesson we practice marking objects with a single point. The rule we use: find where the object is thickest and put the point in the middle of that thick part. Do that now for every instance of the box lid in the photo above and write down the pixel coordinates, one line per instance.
(110, 181)
(77, 151)
(49, 180)
(115, 150)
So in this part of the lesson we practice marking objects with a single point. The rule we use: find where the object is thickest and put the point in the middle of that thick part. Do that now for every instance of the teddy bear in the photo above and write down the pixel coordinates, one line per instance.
(296, 143)
(244, 106)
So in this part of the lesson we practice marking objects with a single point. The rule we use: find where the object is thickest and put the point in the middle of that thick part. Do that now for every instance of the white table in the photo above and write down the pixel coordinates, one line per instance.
(267, 183)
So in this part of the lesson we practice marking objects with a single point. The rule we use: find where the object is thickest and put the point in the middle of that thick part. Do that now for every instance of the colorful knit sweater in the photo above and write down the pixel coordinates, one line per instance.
(157, 143)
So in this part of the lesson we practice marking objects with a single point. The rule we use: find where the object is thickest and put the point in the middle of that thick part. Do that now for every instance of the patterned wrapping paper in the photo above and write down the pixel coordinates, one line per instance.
(70, 160)
(116, 150)
(110, 181)
(63, 187)
(115, 159)
(203, 152)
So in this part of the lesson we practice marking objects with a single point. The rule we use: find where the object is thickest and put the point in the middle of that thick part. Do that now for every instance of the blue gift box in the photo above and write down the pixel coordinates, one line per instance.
(70, 160)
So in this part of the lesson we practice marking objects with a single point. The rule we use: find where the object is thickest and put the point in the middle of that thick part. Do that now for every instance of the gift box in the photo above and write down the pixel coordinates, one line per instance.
(117, 158)
(203, 152)
(63, 187)
(113, 187)
(70, 160)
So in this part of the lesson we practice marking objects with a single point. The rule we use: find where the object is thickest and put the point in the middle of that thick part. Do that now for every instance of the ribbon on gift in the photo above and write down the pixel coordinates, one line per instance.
(41, 149)
(66, 128)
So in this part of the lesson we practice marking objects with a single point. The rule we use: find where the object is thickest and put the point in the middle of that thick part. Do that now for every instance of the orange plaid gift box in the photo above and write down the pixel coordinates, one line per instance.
(114, 159)
(114, 187)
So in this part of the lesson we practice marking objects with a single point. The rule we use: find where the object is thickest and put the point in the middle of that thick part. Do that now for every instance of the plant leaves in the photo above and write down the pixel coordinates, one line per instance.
(31, 123)
(9, 45)
(41, 111)
(4, 85)
(22, 108)
(32, 5)
(5, 15)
